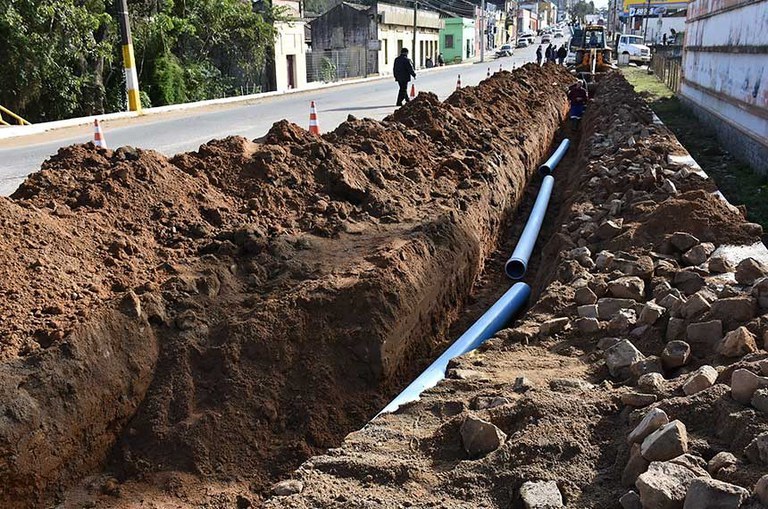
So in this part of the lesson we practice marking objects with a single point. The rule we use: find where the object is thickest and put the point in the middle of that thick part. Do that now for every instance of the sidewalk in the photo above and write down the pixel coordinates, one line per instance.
(26, 130)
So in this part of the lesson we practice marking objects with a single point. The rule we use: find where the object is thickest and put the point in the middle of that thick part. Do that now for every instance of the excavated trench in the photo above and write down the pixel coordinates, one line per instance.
(229, 313)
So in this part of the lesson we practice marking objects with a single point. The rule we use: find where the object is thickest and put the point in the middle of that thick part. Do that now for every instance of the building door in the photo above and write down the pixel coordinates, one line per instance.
(291, 70)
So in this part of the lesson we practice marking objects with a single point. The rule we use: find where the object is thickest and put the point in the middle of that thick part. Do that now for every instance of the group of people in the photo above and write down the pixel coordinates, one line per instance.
(552, 54)
(429, 63)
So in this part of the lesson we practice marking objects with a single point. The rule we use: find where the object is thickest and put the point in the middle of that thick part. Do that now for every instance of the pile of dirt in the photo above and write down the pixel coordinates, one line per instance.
(627, 278)
(230, 312)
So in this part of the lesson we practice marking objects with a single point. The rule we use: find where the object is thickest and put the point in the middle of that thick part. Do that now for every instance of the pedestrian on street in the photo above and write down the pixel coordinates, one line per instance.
(440, 60)
(538, 55)
(552, 52)
(561, 54)
(403, 70)
(548, 53)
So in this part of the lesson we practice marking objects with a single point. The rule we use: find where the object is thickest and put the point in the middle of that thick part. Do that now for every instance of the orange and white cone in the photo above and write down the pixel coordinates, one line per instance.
(413, 90)
(98, 136)
(458, 82)
(488, 74)
(501, 67)
(314, 125)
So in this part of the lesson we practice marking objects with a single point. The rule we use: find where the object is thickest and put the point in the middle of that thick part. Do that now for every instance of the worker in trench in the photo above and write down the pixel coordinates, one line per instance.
(403, 71)
(577, 96)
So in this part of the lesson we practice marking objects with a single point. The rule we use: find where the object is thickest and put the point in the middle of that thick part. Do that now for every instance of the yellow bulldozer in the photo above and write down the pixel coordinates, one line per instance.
(593, 55)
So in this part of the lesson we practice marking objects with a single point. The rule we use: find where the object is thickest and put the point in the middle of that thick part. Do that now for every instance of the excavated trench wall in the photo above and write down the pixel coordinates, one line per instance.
(272, 296)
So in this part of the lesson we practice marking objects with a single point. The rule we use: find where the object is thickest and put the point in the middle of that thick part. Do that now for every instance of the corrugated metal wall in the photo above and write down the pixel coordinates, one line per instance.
(725, 72)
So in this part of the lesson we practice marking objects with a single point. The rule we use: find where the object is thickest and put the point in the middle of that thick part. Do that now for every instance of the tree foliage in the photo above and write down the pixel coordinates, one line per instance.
(62, 58)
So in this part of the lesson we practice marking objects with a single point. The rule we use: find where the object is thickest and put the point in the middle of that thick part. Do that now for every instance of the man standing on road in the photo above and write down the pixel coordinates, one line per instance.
(538, 55)
(561, 54)
(403, 70)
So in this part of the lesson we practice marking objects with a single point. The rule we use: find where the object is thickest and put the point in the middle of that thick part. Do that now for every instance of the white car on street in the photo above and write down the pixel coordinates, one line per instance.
(634, 46)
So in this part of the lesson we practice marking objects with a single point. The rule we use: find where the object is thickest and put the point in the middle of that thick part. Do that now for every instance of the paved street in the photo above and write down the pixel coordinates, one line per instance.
(186, 130)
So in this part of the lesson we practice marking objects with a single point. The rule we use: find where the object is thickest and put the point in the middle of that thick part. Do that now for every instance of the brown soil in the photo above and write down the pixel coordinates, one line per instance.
(231, 312)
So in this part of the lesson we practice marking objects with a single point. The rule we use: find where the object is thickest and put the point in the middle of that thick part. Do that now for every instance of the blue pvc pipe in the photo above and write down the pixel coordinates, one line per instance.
(549, 165)
(485, 327)
(518, 262)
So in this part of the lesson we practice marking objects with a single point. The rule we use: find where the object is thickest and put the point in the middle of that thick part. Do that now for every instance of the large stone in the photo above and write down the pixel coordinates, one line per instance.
(734, 309)
(287, 488)
(761, 489)
(688, 281)
(634, 467)
(737, 343)
(587, 311)
(706, 334)
(541, 495)
(676, 354)
(588, 325)
(699, 253)
(607, 230)
(638, 399)
(713, 494)
(701, 379)
(664, 485)
(650, 364)
(631, 500)
(719, 264)
(554, 326)
(620, 357)
(675, 329)
(480, 437)
(585, 295)
(744, 383)
(683, 241)
(652, 383)
(641, 266)
(622, 321)
(603, 260)
(628, 287)
(759, 400)
(757, 450)
(760, 292)
(653, 420)
(666, 442)
(750, 270)
(608, 307)
(721, 460)
(695, 306)
(650, 313)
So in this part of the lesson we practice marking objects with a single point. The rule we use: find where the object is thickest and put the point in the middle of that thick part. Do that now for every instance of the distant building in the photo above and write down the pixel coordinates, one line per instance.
(547, 14)
(527, 20)
(290, 63)
(457, 39)
(356, 40)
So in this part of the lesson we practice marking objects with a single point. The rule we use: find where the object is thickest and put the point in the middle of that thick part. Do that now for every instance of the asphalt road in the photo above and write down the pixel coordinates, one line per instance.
(186, 130)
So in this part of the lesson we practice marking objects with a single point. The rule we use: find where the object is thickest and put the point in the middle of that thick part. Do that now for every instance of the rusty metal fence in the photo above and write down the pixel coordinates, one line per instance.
(667, 65)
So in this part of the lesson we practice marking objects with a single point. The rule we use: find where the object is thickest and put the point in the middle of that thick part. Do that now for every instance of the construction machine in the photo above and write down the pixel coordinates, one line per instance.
(593, 55)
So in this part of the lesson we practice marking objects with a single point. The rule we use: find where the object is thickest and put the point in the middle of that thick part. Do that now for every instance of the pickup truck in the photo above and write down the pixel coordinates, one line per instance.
(633, 45)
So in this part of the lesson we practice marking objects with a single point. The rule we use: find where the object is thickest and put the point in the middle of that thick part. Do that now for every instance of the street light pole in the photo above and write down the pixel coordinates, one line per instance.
(129, 61)
(482, 31)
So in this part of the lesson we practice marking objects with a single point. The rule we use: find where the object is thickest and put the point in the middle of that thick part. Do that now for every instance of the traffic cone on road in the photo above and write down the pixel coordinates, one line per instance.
(488, 74)
(98, 136)
(314, 125)
(413, 90)
(501, 67)
(458, 82)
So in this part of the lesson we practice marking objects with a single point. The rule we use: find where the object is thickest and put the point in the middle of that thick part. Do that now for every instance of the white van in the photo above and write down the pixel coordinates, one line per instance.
(634, 46)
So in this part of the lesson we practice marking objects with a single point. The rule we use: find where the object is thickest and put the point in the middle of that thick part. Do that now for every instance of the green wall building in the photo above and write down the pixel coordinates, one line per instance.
(457, 40)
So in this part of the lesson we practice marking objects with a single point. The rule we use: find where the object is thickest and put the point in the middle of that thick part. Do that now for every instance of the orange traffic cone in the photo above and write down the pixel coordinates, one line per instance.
(488, 74)
(501, 67)
(314, 125)
(413, 90)
(98, 136)
(458, 82)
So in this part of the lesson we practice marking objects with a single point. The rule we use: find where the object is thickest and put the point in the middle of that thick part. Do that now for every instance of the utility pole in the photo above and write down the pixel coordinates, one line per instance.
(482, 31)
(129, 61)
(415, 13)
(647, 14)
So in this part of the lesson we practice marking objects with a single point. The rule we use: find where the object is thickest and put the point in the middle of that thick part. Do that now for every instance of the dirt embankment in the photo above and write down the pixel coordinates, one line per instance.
(230, 312)
(633, 314)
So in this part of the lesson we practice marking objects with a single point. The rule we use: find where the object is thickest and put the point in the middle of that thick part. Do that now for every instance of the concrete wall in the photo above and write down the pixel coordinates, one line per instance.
(725, 73)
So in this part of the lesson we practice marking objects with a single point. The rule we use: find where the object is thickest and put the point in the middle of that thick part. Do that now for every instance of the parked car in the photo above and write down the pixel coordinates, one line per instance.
(504, 51)
(546, 38)
(633, 45)
(558, 34)
(522, 42)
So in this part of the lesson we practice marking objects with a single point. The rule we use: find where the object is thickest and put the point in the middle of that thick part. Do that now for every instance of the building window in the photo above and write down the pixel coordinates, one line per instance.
(448, 41)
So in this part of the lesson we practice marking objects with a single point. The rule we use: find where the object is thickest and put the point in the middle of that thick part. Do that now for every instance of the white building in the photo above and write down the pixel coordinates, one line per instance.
(395, 31)
(290, 50)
